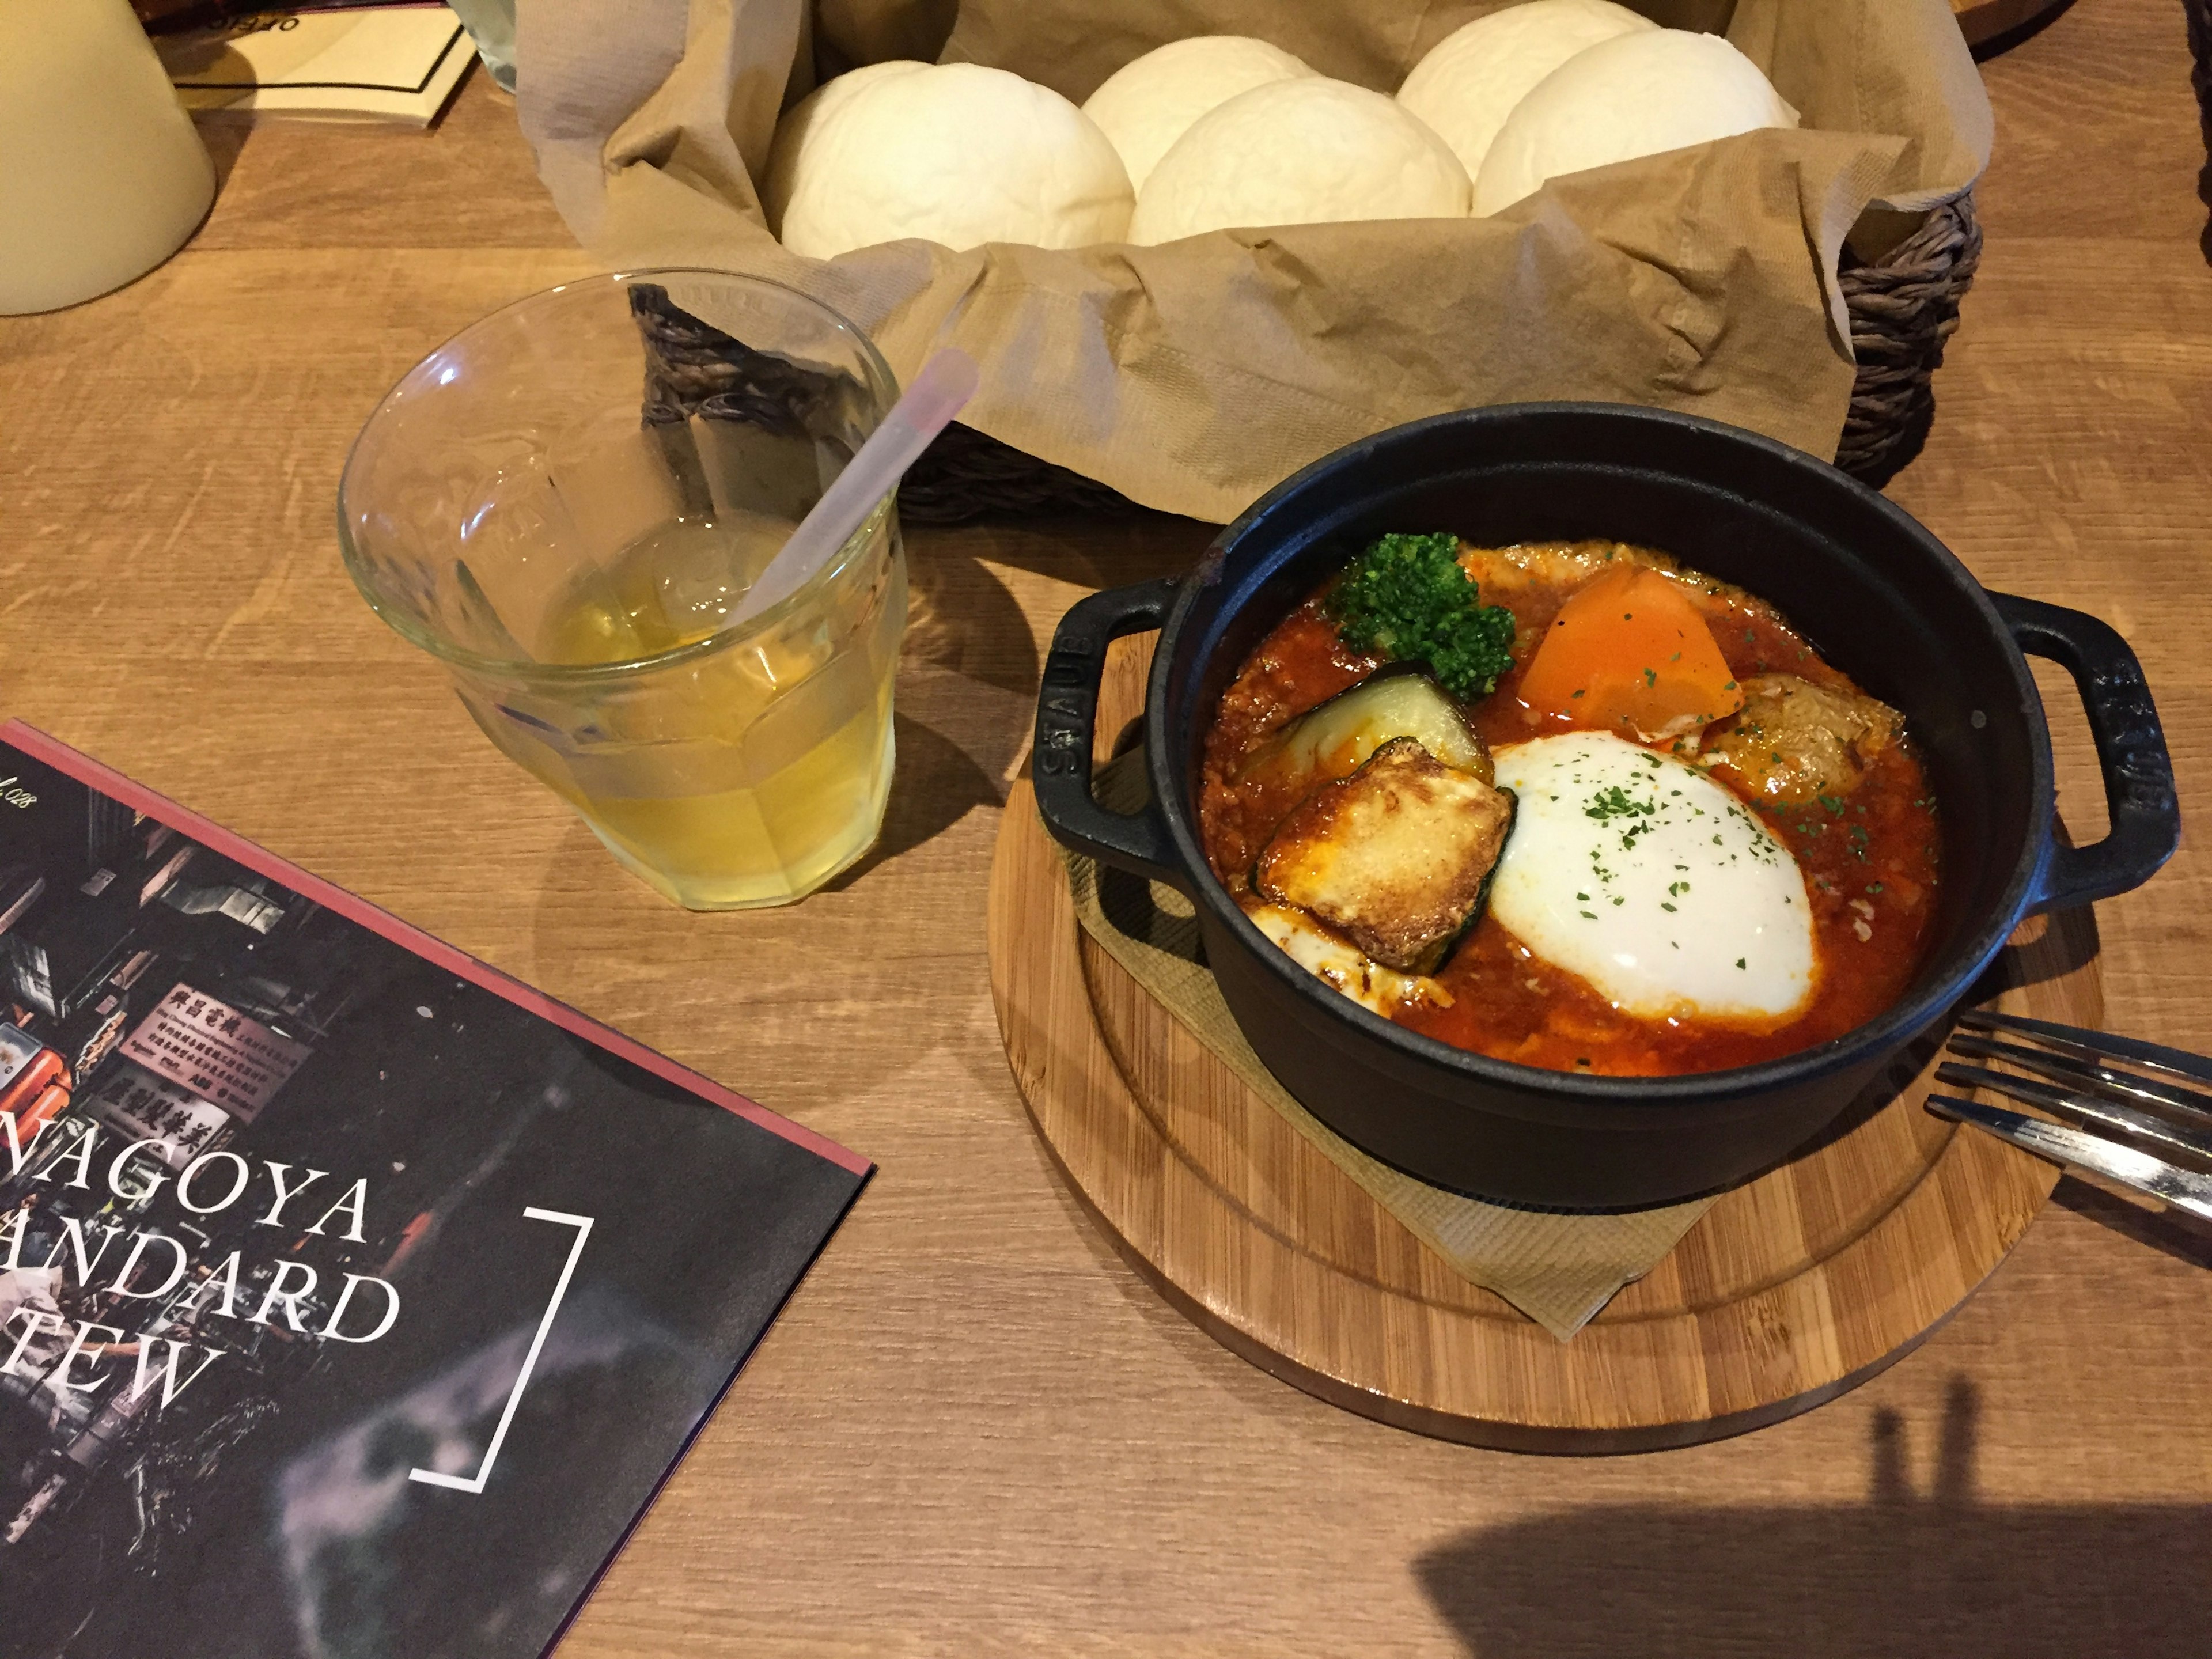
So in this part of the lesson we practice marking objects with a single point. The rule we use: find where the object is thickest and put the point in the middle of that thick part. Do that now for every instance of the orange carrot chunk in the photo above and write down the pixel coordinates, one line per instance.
(1631, 654)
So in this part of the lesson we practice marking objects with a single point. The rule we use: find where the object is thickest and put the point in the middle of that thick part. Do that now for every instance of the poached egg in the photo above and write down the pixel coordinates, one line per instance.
(1652, 882)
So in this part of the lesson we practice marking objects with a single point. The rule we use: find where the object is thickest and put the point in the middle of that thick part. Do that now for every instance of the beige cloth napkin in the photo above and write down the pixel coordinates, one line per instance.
(1557, 1268)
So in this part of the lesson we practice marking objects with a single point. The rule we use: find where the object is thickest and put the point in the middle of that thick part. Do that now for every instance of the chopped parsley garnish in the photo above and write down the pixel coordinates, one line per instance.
(1615, 802)
(1407, 598)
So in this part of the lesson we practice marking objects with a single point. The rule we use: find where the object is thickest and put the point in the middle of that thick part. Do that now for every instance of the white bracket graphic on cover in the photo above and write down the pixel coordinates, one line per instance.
(474, 1483)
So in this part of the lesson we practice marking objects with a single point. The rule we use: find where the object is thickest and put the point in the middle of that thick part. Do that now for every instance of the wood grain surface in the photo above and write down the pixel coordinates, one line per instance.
(1789, 1291)
(975, 1430)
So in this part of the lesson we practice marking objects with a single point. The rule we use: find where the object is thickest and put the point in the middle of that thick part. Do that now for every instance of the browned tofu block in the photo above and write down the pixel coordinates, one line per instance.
(1793, 740)
(1394, 857)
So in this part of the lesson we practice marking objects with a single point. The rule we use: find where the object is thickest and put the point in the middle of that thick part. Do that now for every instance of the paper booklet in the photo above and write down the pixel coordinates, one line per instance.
(354, 1300)
(394, 64)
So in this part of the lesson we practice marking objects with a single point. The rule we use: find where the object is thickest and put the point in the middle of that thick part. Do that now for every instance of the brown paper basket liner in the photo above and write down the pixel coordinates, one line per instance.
(1559, 1269)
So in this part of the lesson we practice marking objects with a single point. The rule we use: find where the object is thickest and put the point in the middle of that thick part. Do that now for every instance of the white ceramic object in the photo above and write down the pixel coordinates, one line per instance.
(102, 176)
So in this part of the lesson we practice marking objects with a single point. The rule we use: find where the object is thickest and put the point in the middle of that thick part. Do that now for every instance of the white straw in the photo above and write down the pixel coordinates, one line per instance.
(947, 382)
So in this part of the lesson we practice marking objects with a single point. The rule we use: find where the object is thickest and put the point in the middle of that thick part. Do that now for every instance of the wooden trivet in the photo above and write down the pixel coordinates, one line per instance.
(1791, 1290)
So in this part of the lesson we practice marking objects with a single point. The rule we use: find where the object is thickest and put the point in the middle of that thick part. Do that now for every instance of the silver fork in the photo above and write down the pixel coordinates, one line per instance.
(2115, 1097)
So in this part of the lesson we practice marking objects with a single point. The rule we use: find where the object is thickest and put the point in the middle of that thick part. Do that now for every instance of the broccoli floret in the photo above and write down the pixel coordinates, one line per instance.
(1407, 599)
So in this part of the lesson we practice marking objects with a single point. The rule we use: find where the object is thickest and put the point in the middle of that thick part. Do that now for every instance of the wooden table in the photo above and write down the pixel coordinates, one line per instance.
(975, 1430)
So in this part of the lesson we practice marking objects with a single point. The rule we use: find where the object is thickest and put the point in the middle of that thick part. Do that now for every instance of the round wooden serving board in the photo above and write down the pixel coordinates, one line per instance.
(1790, 1290)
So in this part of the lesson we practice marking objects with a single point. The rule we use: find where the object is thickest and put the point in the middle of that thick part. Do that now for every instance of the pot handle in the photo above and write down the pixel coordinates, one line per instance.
(2145, 816)
(1067, 717)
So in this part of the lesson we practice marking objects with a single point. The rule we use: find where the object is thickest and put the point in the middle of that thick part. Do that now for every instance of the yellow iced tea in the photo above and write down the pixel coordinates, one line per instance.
(748, 770)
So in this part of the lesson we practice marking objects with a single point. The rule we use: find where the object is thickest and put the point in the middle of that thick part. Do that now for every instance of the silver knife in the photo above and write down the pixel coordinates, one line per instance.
(2185, 1189)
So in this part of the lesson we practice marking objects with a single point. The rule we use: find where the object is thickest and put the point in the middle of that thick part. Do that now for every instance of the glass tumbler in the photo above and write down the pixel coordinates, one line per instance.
(566, 504)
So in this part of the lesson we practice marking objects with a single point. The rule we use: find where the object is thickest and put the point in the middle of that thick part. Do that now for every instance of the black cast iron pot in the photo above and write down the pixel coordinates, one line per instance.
(1878, 595)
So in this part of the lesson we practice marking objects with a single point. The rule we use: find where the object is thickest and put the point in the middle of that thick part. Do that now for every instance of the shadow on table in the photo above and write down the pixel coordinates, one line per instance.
(1096, 551)
(2201, 78)
(936, 785)
(224, 140)
(1903, 1574)
(2169, 1232)
(1997, 44)
(960, 616)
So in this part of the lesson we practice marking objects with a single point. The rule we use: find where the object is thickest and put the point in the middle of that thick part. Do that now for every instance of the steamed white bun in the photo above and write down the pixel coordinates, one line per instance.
(1146, 105)
(957, 155)
(1633, 96)
(1471, 78)
(794, 133)
(1308, 151)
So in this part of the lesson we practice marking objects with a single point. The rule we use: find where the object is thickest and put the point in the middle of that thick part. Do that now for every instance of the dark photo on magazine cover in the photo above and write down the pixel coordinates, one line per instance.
(353, 1303)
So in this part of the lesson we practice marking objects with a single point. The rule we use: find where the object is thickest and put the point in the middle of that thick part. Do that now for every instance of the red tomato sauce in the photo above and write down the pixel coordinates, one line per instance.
(1870, 859)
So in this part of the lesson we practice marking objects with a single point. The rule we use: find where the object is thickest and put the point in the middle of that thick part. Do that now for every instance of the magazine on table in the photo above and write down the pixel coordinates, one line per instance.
(386, 64)
(354, 1300)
